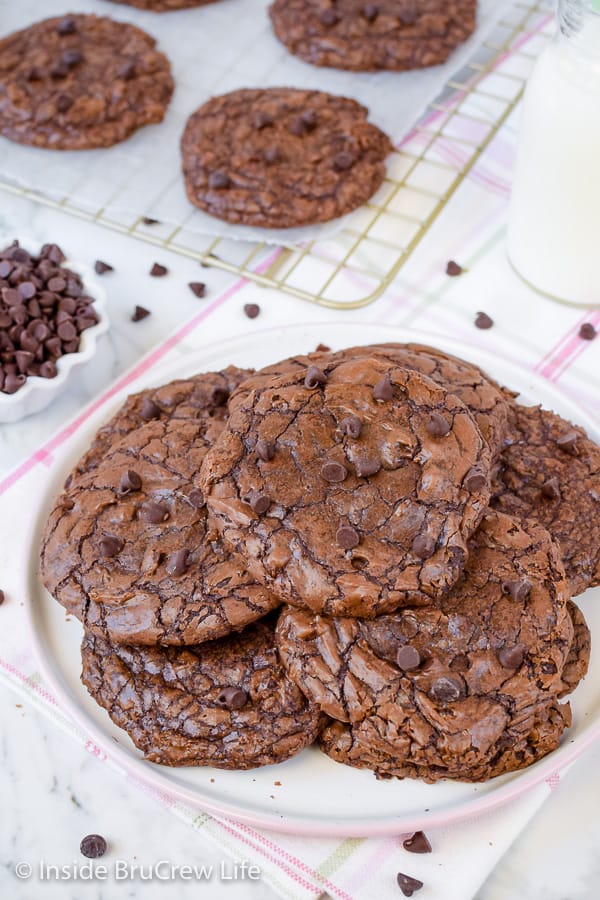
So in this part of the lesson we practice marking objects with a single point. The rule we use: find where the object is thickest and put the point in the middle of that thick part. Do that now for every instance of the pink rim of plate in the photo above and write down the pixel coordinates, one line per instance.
(136, 769)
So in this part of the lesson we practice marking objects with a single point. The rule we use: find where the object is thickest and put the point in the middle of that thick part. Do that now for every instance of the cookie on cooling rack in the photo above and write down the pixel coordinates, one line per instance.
(385, 34)
(227, 703)
(467, 690)
(77, 82)
(551, 473)
(280, 158)
(128, 547)
(350, 491)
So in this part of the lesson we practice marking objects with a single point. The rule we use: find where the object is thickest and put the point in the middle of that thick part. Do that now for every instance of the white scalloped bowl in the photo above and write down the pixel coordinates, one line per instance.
(38, 393)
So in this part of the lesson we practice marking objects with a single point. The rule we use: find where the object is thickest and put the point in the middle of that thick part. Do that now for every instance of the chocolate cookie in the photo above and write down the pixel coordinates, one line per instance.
(227, 704)
(488, 402)
(387, 34)
(128, 547)
(350, 492)
(458, 691)
(576, 666)
(164, 5)
(552, 474)
(280, 157)
(77, 82)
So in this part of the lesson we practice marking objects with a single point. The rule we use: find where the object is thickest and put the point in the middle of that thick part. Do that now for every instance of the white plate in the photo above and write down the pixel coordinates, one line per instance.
(316, 795)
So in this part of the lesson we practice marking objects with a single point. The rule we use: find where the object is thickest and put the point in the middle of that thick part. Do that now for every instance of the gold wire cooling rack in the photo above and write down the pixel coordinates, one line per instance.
(353, 267)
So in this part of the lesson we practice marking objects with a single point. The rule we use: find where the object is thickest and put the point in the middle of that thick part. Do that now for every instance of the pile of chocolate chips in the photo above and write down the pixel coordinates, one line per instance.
(43, 310)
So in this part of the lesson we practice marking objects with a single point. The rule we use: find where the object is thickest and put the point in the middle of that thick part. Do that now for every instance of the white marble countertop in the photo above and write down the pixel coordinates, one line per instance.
(53, 792)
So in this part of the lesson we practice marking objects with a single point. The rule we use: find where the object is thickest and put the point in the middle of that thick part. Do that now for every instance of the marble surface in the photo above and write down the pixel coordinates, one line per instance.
(53, 792)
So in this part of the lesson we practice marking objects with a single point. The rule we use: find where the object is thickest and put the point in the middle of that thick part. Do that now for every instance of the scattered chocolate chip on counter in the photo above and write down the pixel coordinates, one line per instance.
(453, 269)
(147, 220)
(93, 846)
(408, 885)
(483, 321)
(417, 843)
(158, 271)
(587, 332)
(101, 267)
(139, 313)
(198, 288)
(43, 312)
(252, 310)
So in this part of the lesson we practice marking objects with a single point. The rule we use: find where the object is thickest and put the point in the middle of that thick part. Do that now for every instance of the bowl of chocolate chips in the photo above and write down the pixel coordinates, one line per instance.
(51, 316)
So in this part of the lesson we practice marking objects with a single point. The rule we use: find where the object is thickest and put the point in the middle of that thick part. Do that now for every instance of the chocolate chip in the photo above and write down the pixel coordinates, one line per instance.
(72, 57)
(219, 396)
(259, 503)
(60, 70)
(232, 698)
(370, 12)
(48, 369)
(329, 17)
(177, 562)
(453, 269)
(518, 590)
(334, 472)
(551, 489)
(110, 546)
(5, 268)
(408, 885)
(261, 120)
(198, 289)
(19, 254)
(343, 161)
(23, 359)
(56, 284)
(251, 310)
(408, 658)
(417, 843)
(219, 181)
(147, 220)
(126, 70)
(265, 449)
(272, 155)
(347, 537)
(101, 268)
(322, 348)
(475, 480)
(196, 498)
(2, 597)
(27, 290)
(11, 297)
(130, 481)
(549, 668)
(33, 74)
(93, 845)
(569, 443)
(445, 689)
(367, 466)
(423, 546)
(158, 271)
(483, 321)
(304, 123)
(67, 26)
(139, 313)
(314, 377)
(437, 426)
(384, 389)
(154, 513)
(587, 332)
(149, 409)
(352, 426)
(408, 16)
(511, 657)
(66, 331)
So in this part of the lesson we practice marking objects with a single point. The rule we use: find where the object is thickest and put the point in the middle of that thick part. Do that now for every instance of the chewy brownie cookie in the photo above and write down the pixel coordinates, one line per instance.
(350, 492)
(227, 703)
(465, 691)
(484, 397)
(77, 82)
(578, 660)
(552, 474)
(164, 5)
(387, 34)
(128, 547)
(280, 157)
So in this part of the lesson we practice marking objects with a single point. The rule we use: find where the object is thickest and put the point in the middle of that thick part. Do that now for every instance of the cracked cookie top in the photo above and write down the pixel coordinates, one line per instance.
(77, 82)
(351, 491)
(227, 703)
(551, 474)
(129, 548)
(449, 692)
(281, 157)
(388, 34)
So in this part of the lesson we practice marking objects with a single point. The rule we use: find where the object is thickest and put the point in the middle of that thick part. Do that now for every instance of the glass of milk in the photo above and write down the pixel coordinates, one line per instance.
(554, 223)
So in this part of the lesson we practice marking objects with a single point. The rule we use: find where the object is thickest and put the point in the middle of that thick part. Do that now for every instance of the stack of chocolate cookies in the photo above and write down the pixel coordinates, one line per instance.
(375, 549)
